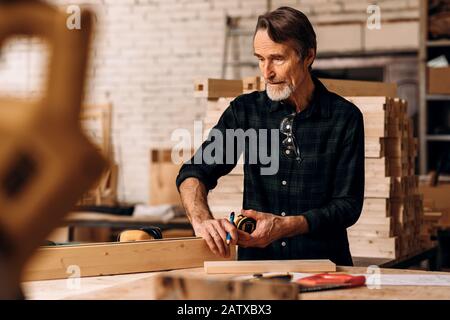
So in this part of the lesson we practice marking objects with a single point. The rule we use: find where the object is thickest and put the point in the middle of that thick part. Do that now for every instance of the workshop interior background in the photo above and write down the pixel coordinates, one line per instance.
(147, 53)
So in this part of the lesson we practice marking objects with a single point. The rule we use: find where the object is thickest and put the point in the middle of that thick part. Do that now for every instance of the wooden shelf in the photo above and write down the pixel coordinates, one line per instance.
(438, 43)
(438, 97)
(438, 137)
(427, 49)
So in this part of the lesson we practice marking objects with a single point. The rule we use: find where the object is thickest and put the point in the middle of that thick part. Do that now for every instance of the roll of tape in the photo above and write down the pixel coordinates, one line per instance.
(246, 224)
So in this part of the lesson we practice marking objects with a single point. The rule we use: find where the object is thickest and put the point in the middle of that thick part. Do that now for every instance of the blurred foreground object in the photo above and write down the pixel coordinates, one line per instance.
(46, 163)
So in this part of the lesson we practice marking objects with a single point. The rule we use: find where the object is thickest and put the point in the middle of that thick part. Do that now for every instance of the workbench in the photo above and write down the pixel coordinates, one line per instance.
(139, 286)
(430, 255)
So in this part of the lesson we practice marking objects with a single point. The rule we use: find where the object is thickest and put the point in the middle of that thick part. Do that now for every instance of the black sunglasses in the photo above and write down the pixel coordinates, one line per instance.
(289, 145)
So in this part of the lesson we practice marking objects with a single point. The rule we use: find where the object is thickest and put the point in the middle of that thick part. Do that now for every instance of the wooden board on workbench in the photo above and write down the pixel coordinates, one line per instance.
(259, 266)
(119, 258)
(191, 287)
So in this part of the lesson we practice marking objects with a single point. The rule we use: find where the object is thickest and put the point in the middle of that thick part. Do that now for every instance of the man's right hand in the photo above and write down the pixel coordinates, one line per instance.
(214, 231)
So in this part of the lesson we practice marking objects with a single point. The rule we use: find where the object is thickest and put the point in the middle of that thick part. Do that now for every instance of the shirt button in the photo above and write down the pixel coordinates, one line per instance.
(283, 244)
(283, 214)
(284, 182)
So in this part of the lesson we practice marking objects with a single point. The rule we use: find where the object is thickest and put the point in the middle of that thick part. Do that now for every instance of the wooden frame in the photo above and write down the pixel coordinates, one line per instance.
(46, 162)
(119, 258)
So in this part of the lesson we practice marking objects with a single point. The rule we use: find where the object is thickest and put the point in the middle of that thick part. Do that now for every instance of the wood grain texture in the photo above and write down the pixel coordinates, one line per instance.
(258, 266)
(119, 258)
(142, 286)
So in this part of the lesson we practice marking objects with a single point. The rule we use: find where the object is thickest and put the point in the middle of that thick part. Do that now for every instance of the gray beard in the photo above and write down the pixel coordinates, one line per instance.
(276, 93)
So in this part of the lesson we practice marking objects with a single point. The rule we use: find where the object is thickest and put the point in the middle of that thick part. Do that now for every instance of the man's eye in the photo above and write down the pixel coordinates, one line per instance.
(278, 60)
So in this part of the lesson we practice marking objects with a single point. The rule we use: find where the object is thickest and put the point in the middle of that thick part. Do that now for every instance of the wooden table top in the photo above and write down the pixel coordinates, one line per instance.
(139, 286)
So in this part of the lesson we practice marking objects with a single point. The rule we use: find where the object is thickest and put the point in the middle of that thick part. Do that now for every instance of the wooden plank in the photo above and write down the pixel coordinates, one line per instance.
(162, 175)
(141, 286)
(390, 187)
(192, 287)
(119, 258)
(258, 266)
(251, 84)
(343, 88)
(387, 167)
(353, 88)
(373, 230)
(374, 247)
(217, 88)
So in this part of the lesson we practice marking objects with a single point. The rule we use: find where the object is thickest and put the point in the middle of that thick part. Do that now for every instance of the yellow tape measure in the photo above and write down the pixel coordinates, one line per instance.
(245, 224)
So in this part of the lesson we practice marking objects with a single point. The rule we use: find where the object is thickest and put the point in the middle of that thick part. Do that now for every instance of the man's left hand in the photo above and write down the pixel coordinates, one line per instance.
(268, 229)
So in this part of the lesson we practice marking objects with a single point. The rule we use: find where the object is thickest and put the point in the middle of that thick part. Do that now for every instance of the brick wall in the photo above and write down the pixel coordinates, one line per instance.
(146, 55)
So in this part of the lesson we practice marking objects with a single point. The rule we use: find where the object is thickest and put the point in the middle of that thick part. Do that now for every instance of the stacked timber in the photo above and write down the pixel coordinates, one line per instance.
(391, 217)
(429, 227)
(389, 225)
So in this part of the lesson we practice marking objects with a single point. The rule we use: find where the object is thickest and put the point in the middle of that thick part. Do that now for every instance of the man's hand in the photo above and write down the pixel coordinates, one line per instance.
(268, 229)
(214, 231)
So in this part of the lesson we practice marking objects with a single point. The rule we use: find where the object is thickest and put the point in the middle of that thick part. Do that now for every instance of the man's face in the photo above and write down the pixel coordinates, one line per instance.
(280, 65)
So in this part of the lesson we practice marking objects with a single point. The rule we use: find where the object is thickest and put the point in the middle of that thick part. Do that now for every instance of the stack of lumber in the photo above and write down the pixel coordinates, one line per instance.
(390, 222)
(218, 93)
(430, 226)
(391, 217)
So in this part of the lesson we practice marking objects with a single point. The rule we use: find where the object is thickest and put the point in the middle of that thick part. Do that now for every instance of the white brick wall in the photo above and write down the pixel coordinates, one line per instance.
(145, 57)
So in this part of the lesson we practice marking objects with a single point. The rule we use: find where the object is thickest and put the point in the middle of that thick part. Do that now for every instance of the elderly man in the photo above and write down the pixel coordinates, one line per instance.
(302, 211)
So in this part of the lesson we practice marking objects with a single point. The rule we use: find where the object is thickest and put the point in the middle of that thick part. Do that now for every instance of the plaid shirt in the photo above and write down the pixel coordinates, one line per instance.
(326, 185)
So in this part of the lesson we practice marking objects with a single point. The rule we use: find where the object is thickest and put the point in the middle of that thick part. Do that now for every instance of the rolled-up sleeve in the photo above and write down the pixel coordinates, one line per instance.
(347, 198)
(210, 162)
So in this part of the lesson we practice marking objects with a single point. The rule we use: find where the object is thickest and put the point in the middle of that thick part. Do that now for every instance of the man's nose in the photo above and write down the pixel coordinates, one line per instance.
(268, 72)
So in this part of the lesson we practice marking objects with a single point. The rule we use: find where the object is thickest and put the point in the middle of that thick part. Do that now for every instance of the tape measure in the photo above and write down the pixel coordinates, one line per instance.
(147, 233)
(245, 224)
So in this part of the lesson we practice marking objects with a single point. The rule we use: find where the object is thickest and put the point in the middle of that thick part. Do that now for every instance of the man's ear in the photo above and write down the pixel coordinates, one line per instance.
(310, 58)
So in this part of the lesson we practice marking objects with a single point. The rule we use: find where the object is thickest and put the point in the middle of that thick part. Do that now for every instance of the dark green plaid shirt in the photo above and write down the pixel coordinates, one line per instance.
(326, 185)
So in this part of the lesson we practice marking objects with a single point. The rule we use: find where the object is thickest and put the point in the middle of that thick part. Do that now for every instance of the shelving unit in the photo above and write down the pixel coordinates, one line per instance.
(434, 109)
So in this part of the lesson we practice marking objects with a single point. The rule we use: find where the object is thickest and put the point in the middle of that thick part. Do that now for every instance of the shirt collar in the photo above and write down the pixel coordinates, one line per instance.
(320, 104)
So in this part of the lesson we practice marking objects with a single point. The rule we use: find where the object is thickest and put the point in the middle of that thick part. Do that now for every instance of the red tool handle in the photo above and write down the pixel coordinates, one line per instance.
(332, 279)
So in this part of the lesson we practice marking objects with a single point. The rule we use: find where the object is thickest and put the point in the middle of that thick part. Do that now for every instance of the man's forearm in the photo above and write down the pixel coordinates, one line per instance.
(294, 225)
(194, 198)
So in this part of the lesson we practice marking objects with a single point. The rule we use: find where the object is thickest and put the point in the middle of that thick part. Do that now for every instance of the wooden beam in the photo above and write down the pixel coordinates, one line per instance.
(349, 88)
(259, 266)
(251, 84)
(217, 88)
(190, 287)
(119, 258)
(353, 88)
